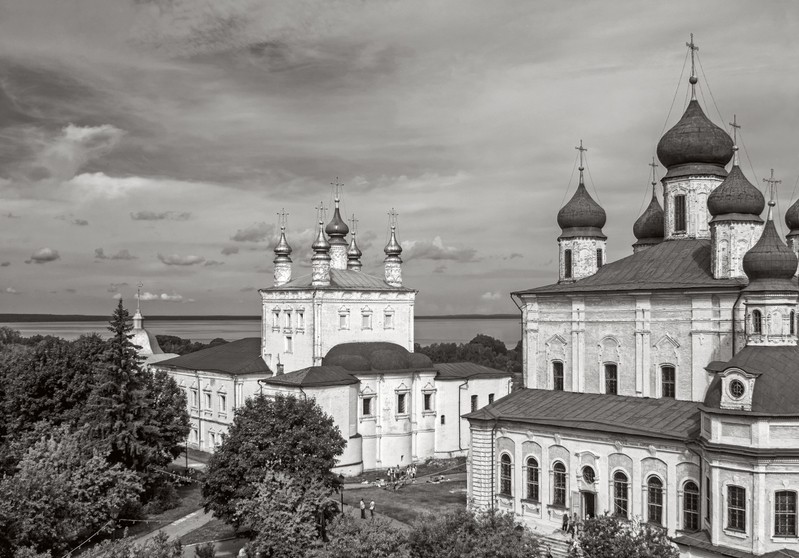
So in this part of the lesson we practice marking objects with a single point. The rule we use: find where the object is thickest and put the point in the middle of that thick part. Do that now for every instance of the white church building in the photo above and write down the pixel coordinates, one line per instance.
(664, 385)
(344, 338)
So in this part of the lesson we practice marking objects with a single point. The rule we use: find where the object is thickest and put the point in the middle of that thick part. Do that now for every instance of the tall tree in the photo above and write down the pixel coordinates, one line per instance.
(169, 415)
(284, 434)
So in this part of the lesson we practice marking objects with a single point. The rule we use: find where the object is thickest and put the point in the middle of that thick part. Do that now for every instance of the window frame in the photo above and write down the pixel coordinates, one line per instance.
(288, 344)
(505, 475)
(670, 383)
(608, 366)
(654, 500)
(558, 376)
(403, 408)
(474, 403)
(560, 484)
(367, 401)
(428, 402)
(600, 253)
(222, 400)
(490, 398)
(680, 213)
(736, 509)
(791, 515)
(388, 320)
(621, 495)
(568, 264)
(532, 480)
(757, 322)
(691, 515)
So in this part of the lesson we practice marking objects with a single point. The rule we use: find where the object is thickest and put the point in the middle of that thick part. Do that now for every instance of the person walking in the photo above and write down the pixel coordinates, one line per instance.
(363, 509)
(565, 526)
(372, 509)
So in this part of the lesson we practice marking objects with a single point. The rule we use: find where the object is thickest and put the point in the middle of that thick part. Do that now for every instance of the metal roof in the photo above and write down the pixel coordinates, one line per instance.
(701, 539)
(617, 414)
(467, 371)
(314, 376)
(341, 279)
(242, 356)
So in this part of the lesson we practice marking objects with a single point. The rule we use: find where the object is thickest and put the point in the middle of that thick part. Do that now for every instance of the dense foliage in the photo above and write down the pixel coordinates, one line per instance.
(284, 434)
(483, 349)
(159, 546)
(180, 346)
(352, 538)
(608, 536)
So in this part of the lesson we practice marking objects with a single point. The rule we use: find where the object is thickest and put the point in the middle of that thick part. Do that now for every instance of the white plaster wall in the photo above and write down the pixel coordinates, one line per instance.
(731, 240)
(696, 190)
(584, 256)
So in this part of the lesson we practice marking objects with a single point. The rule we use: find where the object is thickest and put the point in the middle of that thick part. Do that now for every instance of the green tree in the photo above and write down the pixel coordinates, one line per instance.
(160, 546)
(462, 534)
(350, 538)
(171, 420)
(285, 514)
(608, 536)
(62, 492)
(284, 434)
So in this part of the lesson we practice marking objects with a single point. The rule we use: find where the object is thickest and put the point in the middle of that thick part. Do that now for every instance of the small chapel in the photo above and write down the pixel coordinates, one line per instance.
(663, 386)
(344, 338)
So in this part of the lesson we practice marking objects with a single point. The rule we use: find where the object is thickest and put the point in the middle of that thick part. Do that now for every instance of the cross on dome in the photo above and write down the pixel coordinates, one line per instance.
(654, 166)
(772, 183)
(735, 128)
(693, 79)
(581, 149)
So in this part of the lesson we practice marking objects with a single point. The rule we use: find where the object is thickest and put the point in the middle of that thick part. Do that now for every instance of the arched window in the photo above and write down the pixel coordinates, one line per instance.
(654, 491)
(679, 213)
(557, 376)
(532, 479)
(567, 264)
(505, 472)
(757, 322)
(792, 325)
(559, 482)
(668, 383)
(621, 502)
(690, 506)
(785, 514)
(611, 379)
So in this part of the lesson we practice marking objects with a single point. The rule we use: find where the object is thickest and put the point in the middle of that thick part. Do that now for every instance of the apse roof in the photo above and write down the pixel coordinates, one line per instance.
(611, 414)
(467, 370)
(341, 279)
(242, 356)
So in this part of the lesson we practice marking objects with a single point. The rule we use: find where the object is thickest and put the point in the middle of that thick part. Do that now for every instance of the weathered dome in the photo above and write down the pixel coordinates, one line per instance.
(649, 225)
(697, 142)
(770, 263)
(282, 249)
(320, 245)
(393, 248)
(337, 228)
(582, 212)
(792, 218)
(379, 355)
(736, 195)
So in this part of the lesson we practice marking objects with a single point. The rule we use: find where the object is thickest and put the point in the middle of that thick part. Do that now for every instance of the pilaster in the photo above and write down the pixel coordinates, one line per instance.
(578, 343)
(643, 333)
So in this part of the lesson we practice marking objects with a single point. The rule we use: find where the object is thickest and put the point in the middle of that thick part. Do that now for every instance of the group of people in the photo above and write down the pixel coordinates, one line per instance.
(572, 525)
(371, 509)
(396, 474)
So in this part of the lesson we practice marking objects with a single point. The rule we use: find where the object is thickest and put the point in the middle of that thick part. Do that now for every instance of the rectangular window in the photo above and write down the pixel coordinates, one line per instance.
(213, 439)
(474, 403)
(567, 264)
(490, 398)
(195, 398)
(679, 213)
(736, 508)
(557, 376)
(598, 258)
(428, 401)
(443, 419)
(300, 319)
(289, 348)
(366, 321)
(367, 406)
(611, 379)
(222, 403)
(708, 500)
(402, 408)
(668, 383)
(388, 320)
(208, 401)
(287, 322)
(343, 321)
(276, 318)
(785, 514)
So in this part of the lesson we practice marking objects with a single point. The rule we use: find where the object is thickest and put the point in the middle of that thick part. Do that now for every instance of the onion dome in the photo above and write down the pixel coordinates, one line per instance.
(321, 246)
(648, 229)
(581, 216)
(695, 145)
(770, 264)
(354, 253)
(736, 195)
(282, 250)
(337, 229)
(792, 218)
(393, 248)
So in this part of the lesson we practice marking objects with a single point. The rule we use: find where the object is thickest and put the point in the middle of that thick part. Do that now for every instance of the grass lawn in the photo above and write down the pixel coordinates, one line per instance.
(214, 530)
(430, 467)
(190, 500)
(412, 501)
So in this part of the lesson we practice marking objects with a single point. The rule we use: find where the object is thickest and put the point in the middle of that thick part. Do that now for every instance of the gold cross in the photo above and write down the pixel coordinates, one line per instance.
(692, 80)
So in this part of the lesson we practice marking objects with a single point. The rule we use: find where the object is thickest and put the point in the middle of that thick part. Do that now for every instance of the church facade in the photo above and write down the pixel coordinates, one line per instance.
(344, 338)
(660, 386)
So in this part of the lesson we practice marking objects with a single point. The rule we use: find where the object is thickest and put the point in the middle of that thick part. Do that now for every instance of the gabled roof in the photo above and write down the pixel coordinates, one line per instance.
(616, 414)
(701, 539)
(314, 376)
(242, 356)
(673, 264)
(467, 371)
(341, 279)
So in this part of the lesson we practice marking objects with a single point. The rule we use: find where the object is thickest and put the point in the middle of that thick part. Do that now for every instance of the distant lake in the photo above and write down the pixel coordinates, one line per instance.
(435, 330)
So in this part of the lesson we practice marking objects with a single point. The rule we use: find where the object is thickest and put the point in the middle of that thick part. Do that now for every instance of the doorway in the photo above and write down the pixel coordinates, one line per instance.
(589, 504)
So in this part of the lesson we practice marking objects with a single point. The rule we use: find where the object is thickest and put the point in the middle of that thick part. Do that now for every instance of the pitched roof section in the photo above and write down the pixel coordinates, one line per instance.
(467, 371)
(777, 383)
(341, 279)
(676, 264)
(314, 376)
(242, 356)
(701, 539)
(617, 414)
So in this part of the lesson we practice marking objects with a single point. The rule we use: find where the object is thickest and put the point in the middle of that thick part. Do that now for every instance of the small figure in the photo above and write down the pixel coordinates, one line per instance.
(372, 509)
(363, 509)
(565, 525)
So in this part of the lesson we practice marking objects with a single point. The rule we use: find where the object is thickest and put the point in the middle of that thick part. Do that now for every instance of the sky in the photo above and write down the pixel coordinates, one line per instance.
(155, 141)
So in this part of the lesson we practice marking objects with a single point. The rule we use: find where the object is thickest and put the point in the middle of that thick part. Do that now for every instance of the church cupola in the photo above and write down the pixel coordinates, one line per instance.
(282, 259)
(694, 152)
(771, 295)
(354, 253)
(582, 243)
(320, 261)
(648, 229)
(337, 229)
(792, 222)
(736, 225)
(393, 261)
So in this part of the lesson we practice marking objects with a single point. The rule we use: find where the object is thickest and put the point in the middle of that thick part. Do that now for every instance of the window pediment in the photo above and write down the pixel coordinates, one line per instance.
(737, 388)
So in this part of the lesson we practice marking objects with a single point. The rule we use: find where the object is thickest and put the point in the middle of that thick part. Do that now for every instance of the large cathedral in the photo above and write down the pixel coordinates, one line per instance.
(662, 386)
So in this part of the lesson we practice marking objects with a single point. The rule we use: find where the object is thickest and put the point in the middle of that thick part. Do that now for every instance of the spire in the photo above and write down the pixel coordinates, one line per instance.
(354, 254)
(582, 216)
(735, 127)
(693, 79)
(320, 261)
(772, 183)
(283, 251)
(393, 250)
(581, 149)
(138, 319)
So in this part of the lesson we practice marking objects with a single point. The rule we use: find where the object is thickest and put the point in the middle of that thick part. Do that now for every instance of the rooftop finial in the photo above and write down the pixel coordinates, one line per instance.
(321, 212)
(337, 186)
(138, 295)
(282, 219)
(735, 127)
(692, 80)
(772, 183)
(581, 149)
(654, 166)
(353, 225)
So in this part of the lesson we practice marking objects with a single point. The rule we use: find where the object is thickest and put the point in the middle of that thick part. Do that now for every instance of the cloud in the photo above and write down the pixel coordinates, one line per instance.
(62, 155)
(515, 255)
(5, 264)
(491, 295)
(124, 254)
(164, 297)
(437, 251)
(80, 222)
(161, 216)
(114, 287)
(175, 259)
(440, 269)
(117, 296)
(10, 290)
(44, 255)
(70, 290)
(228, 250)
(213, 262)
(254, 233)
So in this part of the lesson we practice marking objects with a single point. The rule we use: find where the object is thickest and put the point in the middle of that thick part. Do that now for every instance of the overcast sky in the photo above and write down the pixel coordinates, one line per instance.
(155, 141)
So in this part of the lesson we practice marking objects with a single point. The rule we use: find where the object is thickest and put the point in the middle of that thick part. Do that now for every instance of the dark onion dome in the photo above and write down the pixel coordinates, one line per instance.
(320, 245)
(282, 250)
(736, 195)
(582, 216)
(337, 229)
(393, 248)
(770, 264)
(354, 252)
(648, 229)
(695, 145)
(792, 218)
